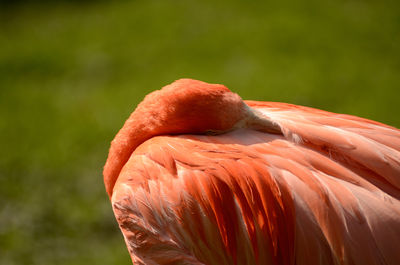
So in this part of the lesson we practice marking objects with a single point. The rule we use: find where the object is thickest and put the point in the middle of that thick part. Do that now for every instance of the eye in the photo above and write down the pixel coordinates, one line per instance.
(213, 132)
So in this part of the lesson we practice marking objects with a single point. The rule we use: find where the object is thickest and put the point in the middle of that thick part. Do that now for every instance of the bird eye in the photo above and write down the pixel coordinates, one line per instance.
(212, 132)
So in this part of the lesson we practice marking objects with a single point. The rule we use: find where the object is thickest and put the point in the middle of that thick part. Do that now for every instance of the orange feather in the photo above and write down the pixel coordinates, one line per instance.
(198, 176)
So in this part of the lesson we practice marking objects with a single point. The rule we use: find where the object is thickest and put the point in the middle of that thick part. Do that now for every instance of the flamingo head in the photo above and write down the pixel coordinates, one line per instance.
(191, 106)
(184, 107)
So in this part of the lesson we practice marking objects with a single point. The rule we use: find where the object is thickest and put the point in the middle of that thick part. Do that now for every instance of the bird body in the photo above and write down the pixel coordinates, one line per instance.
(198, 176)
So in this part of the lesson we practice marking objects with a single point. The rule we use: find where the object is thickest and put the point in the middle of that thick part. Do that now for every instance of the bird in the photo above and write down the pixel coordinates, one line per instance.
(197, 175)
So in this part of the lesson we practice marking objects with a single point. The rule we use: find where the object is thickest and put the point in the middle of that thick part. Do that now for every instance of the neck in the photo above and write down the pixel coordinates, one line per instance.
(132, 134)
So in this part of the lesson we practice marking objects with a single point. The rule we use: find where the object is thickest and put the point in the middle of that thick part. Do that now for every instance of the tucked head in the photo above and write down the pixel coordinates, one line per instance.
(191, 106)
(184, 107)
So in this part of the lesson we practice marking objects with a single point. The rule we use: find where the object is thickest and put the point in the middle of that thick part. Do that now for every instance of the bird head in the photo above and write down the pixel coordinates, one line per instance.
(184, 107)
(191, 106)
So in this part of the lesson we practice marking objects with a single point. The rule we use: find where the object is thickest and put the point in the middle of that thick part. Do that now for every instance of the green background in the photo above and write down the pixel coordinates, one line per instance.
(71, 72)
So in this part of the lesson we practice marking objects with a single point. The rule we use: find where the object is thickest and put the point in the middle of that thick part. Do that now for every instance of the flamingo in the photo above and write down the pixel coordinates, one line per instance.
(198, 176)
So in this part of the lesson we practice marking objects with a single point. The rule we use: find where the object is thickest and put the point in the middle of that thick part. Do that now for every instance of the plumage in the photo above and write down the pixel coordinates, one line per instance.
(277, 184)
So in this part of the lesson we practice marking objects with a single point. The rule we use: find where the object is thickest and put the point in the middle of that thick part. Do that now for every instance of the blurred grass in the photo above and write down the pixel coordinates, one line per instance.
(70, 74)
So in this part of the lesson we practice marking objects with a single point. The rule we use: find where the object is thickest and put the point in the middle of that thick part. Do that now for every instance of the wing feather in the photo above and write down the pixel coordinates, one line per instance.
(323, 193)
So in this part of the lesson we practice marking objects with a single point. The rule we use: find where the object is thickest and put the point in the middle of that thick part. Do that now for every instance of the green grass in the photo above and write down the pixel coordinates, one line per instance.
(71, 73)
